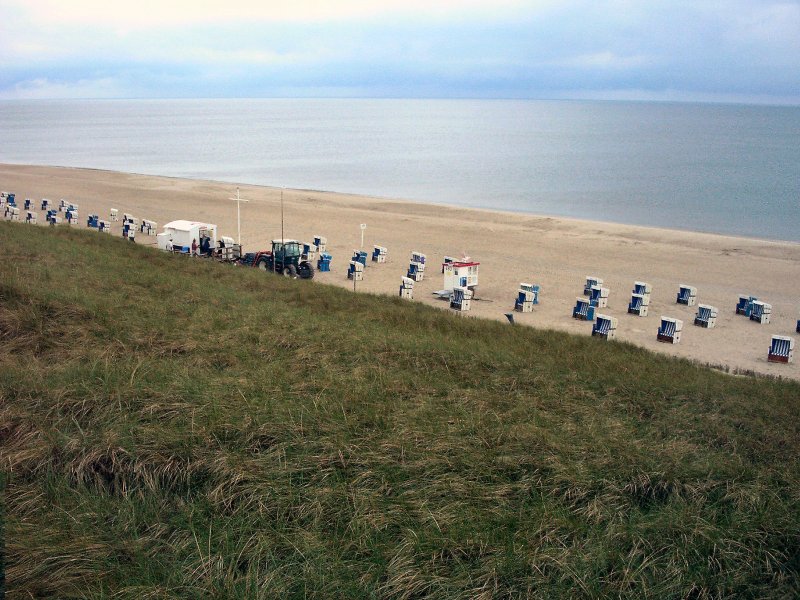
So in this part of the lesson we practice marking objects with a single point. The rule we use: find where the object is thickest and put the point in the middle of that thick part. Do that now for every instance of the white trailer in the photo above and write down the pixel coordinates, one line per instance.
(178, 235)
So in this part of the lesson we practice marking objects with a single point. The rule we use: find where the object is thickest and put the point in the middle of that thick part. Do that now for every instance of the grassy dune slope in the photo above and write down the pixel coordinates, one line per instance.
(172, 427)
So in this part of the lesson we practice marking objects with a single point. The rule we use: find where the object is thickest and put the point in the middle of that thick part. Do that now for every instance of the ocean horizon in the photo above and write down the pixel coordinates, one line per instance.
(717, 168)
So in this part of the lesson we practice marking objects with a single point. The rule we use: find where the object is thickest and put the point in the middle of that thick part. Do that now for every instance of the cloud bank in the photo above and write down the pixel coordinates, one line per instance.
(739, 50)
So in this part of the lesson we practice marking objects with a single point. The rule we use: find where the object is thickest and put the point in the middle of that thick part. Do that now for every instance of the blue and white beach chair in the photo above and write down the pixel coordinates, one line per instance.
(745, 305)
(583, 310)
(598, 296)
(591, 280)
(641, 287)
(706, 316)
(446, 261)
(27, 205)
(604, 327)
(92, 221)
(45, 204)
(781, 349)
(760, 312)
(324, 262)
(310, 252)
(416, 271)
(670, 330)
(461, 298)
(321, 243)
(527, 297)
(379, 254)
(407, 288)
(355, 271)
(524, 301)
(532, 287)
(687, 295)
(31, 217)
(418, 257)
(639, 304)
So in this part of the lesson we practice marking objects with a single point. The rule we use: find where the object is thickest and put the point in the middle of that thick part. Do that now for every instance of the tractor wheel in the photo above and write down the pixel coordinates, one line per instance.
(263, 264)
(305, 270)
(290, 271)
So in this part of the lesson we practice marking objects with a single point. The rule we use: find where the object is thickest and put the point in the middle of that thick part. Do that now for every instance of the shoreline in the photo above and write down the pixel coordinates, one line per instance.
(374, 197)
(554, 252)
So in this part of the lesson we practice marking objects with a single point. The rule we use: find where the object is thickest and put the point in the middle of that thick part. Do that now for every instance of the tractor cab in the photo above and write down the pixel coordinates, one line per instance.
(286, 251)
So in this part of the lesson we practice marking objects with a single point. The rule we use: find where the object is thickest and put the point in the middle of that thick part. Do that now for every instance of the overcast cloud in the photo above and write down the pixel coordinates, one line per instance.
(737, 50)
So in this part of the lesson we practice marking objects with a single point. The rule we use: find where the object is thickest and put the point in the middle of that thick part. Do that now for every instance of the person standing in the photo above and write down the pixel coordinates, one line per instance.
(194, 247)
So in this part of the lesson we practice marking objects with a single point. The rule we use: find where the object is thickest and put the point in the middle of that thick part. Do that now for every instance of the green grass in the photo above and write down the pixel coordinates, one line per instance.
(176, 428)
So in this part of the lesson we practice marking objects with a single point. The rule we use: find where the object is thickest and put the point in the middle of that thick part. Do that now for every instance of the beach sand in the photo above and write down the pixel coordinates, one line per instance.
(555, 253)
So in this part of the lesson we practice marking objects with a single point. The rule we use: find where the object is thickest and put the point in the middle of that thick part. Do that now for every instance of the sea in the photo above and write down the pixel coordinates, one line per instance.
(730, 169)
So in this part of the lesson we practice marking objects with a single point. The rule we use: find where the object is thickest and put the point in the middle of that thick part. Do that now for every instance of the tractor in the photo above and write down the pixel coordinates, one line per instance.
(285, 258)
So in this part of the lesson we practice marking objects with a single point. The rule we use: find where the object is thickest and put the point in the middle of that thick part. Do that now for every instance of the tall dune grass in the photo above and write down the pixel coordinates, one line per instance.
(171, 427)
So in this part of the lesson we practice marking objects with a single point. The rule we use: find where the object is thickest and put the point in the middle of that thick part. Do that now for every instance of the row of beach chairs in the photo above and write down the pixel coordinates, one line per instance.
(596, 296)
(670, 329)
(781, 348)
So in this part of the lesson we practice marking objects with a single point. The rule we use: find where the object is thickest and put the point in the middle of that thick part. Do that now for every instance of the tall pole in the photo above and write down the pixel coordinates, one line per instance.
(283, 241)
(239, 200)
(238, 216)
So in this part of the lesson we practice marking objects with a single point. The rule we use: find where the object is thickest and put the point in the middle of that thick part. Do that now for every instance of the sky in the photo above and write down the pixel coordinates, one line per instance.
(702, 50)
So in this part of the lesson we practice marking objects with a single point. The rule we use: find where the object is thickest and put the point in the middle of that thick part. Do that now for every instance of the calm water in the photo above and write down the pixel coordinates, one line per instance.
(727, 169)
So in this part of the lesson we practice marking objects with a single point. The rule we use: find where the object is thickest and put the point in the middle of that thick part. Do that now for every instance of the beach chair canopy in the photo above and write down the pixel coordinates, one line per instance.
(668, 326)
(706, 312)
(781, 345)
(603, 325)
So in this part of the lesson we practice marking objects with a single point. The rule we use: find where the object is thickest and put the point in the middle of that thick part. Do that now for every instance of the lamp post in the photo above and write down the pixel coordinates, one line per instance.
(238, 214)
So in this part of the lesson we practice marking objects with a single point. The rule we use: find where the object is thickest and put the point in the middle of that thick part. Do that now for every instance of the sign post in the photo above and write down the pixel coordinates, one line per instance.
(363, 227)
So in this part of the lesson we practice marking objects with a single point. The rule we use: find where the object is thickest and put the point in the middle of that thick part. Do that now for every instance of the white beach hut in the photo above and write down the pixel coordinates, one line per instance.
(461, 273)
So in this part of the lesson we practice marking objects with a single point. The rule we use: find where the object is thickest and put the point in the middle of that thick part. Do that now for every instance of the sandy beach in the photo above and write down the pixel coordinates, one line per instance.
(555, 253)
